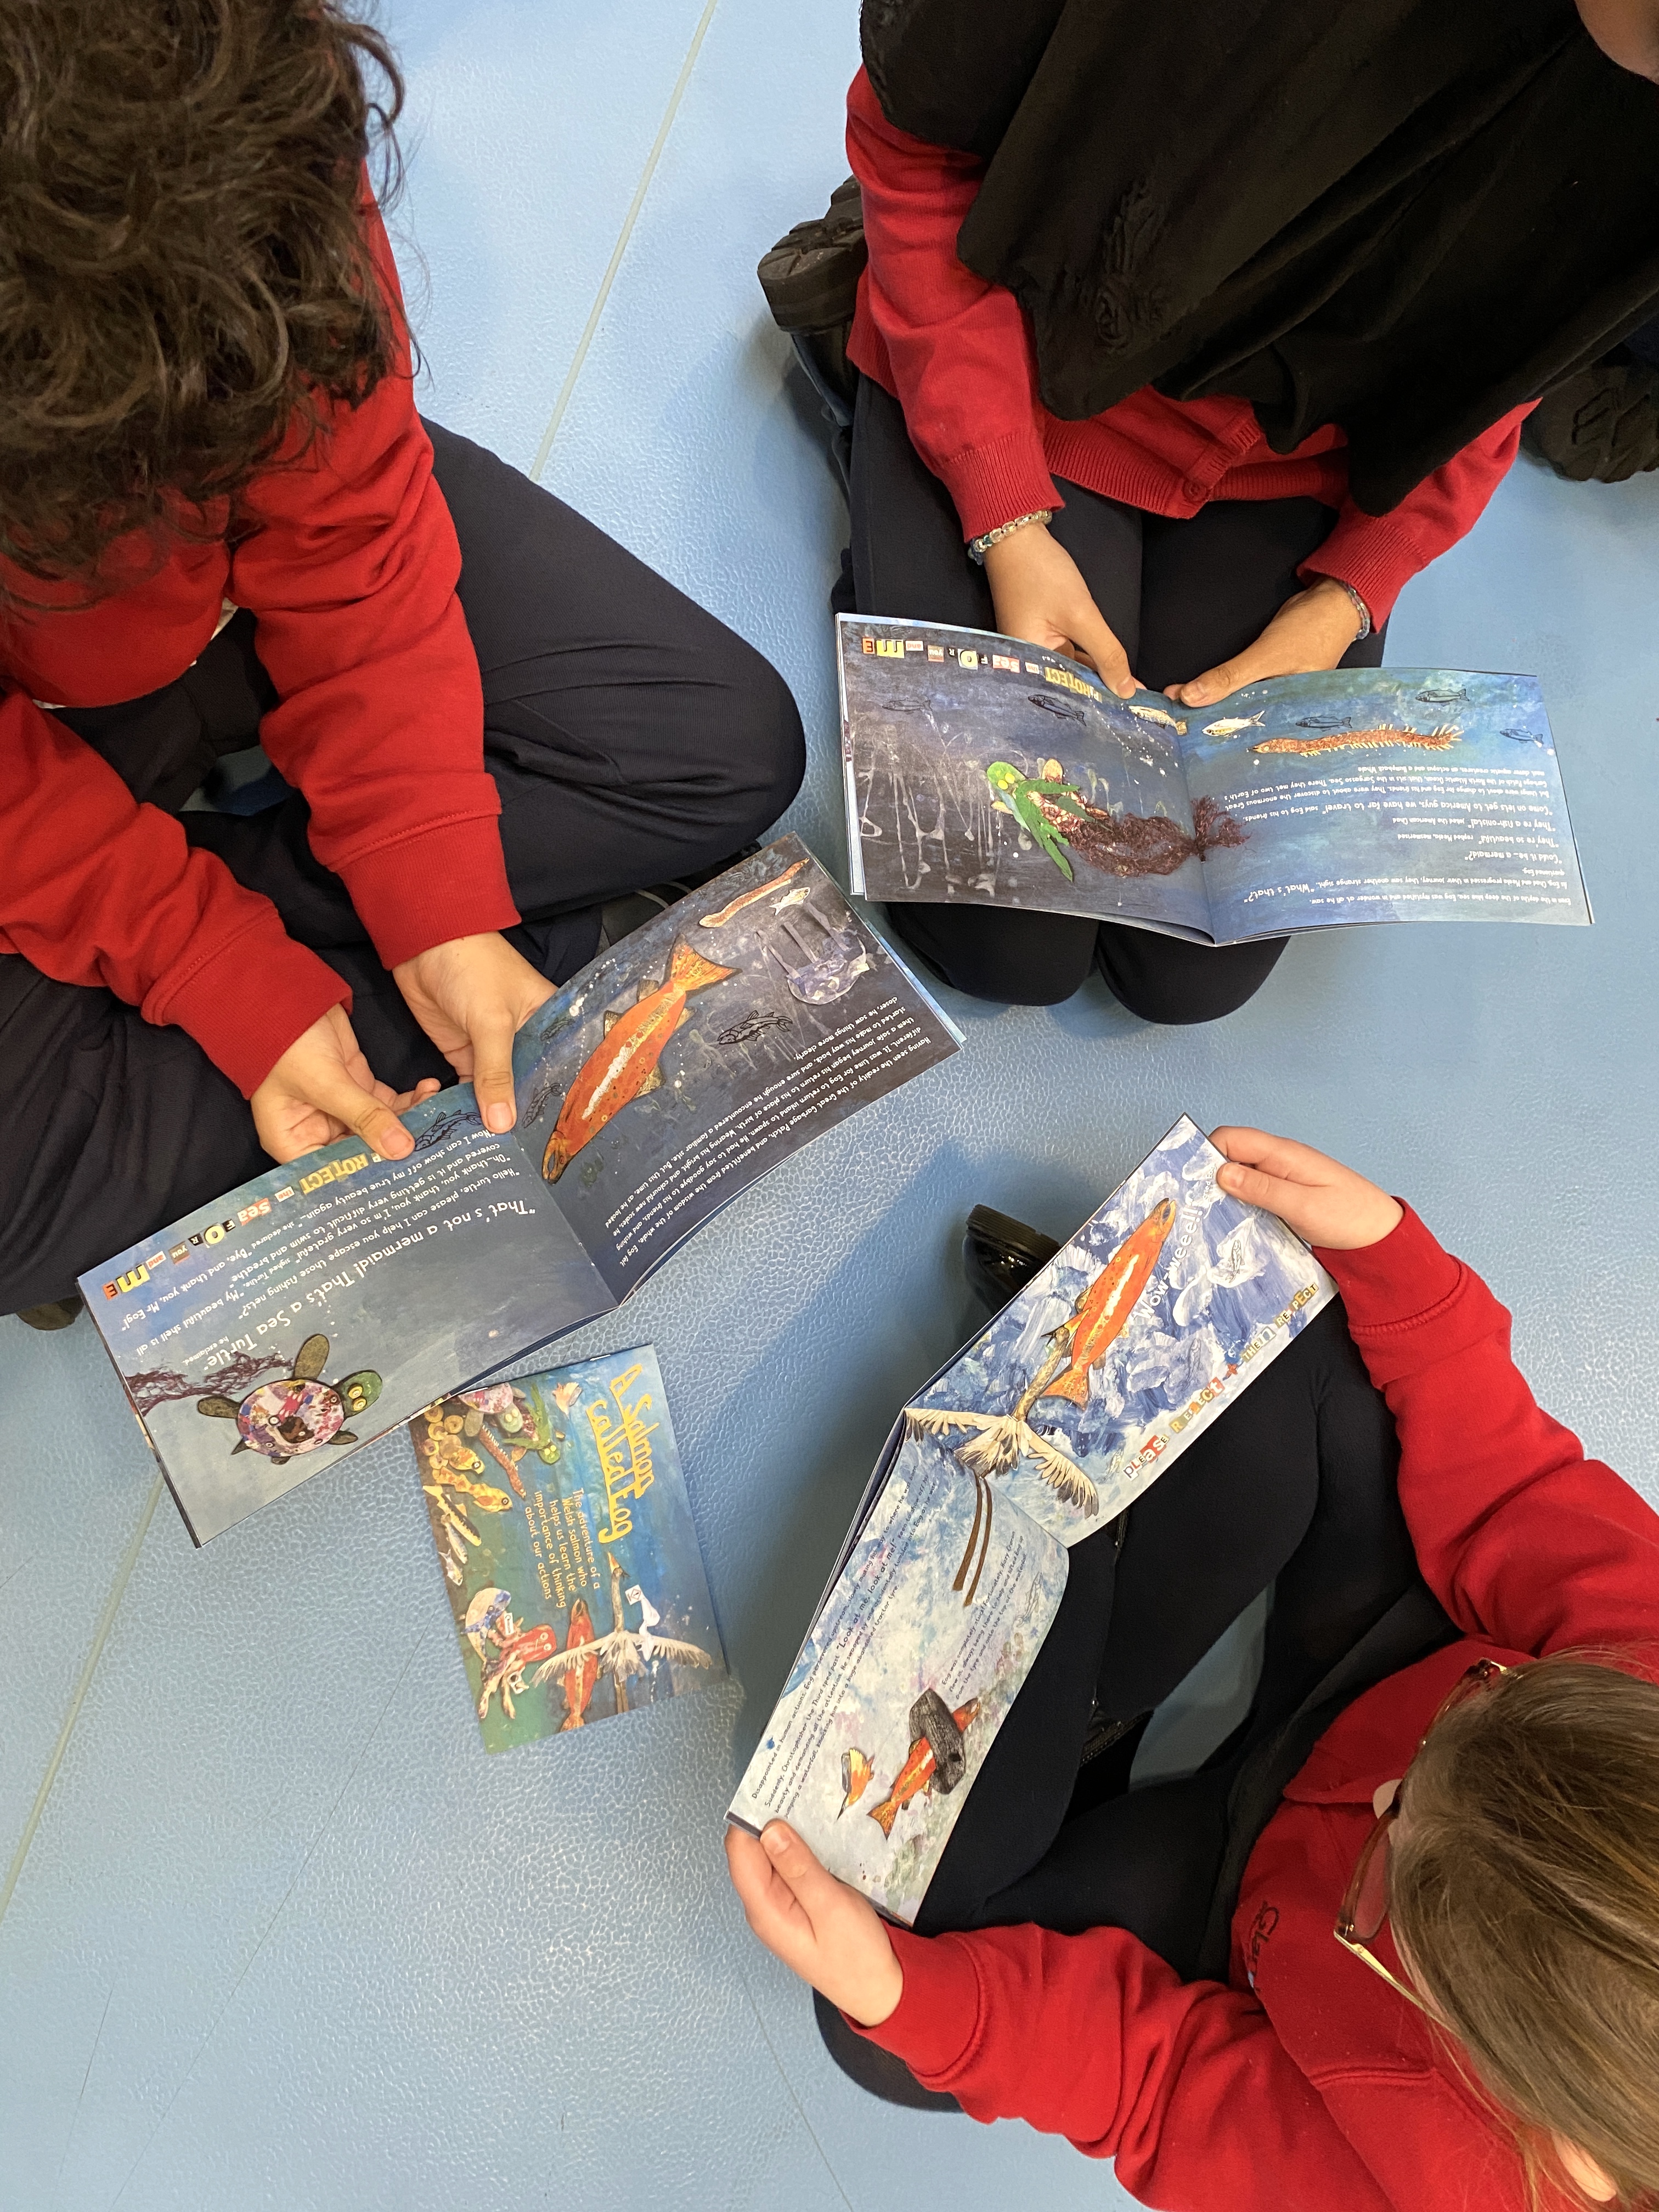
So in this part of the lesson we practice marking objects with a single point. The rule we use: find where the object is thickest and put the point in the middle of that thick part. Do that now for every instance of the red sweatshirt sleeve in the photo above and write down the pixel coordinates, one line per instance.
(955, 347)
(1092, 2037)
(1379, 554)
(351, 577)
(97, 889)
(1522, 1539)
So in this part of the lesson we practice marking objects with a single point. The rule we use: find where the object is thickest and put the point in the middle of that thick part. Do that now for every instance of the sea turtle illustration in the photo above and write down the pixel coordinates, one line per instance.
(300, 1412)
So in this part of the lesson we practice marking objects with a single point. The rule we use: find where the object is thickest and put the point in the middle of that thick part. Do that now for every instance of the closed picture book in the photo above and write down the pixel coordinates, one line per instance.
(1143, 1327)
(559, 1513)
(267, 1334)
(981, 771)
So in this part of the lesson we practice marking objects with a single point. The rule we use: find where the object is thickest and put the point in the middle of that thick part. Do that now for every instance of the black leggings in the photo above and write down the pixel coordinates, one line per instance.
(1180, 596)
(1294, 1485)
(631, 736)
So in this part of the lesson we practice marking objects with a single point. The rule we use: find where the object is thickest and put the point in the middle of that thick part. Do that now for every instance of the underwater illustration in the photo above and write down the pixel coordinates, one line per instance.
(1139, 1332)
(1352, 795)
(578, 1590)
(1136, 1334)
(708, 1046)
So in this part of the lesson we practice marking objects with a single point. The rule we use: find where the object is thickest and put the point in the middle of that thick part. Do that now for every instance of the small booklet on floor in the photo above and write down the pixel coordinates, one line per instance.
(559, 1516)
(324, 1303)
(1165, 1304)
(986, 772)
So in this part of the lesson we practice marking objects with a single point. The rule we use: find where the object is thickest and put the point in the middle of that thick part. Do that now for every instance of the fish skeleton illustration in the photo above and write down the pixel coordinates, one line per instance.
(1428, 741)
(1233, 724)
(935, 1759)
(623, 1065)
(855, 1772)
(747, 898)
(1157, 714)
(832, 964)
(1094, 1324)
(1021, 796)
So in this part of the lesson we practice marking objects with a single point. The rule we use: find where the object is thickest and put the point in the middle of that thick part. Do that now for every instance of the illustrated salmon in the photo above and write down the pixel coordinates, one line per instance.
(622, 1065)
(1109, 1300)
(1345, 741)
(579, 1681)
(916, 1775)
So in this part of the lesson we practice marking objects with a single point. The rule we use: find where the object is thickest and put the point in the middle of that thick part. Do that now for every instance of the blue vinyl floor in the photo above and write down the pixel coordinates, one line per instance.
(274, 1932)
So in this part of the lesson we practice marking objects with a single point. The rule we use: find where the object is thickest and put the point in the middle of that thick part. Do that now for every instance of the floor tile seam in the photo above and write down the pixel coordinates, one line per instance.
(100, 1637)
(623, 237)
(789, 2087)
(312, 1848)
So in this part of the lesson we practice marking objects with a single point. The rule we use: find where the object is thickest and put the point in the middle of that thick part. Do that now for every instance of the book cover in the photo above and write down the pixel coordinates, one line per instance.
(559, 1518)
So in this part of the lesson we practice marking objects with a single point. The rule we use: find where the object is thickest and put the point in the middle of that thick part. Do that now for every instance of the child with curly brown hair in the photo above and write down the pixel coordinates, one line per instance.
(222, 523)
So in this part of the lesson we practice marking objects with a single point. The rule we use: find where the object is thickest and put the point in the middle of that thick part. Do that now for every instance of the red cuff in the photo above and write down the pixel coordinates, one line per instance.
(248, 1001)
(991, 484)
(1375, 554)
(1405, 1278)
(447, 880)
(933, 2025)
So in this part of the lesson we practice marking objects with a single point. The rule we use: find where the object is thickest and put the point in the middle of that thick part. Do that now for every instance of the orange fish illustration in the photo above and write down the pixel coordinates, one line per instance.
(579, 1679)
(623, 1065)
(1106, 1305)
(917, 1773)
(1347, 741)
(748, 898)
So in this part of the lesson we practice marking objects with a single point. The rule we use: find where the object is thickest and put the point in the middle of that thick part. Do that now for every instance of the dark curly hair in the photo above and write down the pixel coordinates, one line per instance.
(184, 275)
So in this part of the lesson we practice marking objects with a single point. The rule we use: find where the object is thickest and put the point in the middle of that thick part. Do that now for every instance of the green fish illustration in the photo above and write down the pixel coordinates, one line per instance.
(1018, 795)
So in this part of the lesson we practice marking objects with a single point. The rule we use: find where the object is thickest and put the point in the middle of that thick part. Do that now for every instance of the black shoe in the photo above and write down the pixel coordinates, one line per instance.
(621, 917)
(1000, 1255)
(1600, 426)
(1108, 1757)
(811, 280)
(57, 1313)
(810, 276)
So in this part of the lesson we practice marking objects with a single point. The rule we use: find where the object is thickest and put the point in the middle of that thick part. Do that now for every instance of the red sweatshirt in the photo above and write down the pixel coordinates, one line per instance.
(956, 353)
(351, 577)
(1307, 2083)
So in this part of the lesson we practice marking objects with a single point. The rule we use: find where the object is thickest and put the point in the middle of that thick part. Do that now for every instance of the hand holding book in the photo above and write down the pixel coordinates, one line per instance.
(1324, 1202)
(820, 1929)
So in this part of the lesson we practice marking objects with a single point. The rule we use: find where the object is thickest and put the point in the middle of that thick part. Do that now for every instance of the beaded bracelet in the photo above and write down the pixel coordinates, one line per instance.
(1360, 609)
(978, 547)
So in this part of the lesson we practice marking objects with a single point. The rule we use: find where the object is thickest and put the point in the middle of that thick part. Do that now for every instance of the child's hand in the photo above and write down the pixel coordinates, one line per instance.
(1324, 1201)
(472, 996)
(821, 1930)
(1312, 631)
(1039, 594)
(323, 1088)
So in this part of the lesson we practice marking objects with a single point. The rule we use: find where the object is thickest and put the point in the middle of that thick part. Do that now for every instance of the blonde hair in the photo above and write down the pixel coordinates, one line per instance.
(1523, 1885)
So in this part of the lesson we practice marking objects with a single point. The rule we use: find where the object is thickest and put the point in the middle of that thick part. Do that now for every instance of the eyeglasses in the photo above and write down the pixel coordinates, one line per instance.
(1365, 1907)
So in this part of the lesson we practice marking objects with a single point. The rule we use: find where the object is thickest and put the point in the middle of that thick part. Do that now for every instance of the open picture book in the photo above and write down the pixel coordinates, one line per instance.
(559, 1514)
(1081, 1393)
(987, 772)
(322, 1304)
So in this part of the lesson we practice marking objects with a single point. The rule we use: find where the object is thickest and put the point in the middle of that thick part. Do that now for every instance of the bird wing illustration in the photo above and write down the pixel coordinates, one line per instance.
(573, 1656)
(937, 1419)
(683, 1654)
(1059, 1472)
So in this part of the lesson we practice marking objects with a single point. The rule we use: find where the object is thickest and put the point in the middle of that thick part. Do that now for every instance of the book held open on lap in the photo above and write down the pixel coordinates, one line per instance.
(325, 1303)
(987, 772)
(1140, 1330)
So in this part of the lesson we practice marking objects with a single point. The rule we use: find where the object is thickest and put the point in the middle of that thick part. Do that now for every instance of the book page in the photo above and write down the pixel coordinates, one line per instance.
(981, 771)
(559, 1515)
(911, 1666)
(1142, 1329)
(1383, 795)
(686, 1063)
(265, 1334)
